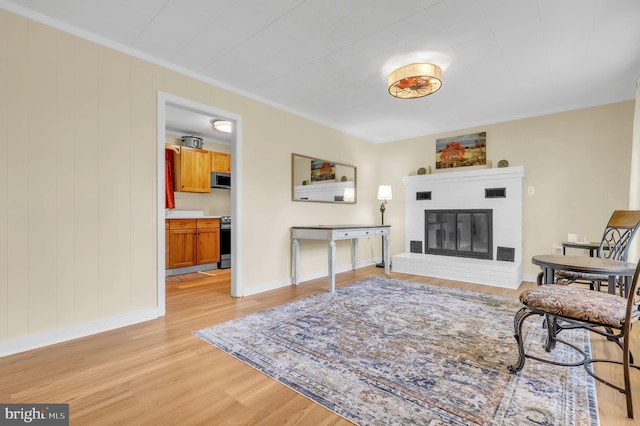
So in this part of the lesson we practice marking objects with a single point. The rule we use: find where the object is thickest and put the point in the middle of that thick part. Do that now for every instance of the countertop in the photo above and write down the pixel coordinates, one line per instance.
(187, 214)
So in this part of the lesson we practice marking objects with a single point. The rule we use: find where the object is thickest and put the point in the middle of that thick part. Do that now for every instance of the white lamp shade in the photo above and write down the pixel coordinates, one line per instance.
(349, 195)
(384, 192)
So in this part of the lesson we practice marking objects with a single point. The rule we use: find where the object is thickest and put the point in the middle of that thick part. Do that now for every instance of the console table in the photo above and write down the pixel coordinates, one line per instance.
(593, 247)
(333, 233)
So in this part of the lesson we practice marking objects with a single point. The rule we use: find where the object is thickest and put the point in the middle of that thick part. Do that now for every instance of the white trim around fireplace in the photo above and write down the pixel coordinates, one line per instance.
(466, 190)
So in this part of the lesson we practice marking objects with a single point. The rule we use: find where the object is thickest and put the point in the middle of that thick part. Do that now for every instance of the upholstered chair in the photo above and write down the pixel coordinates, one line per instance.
(566, 307)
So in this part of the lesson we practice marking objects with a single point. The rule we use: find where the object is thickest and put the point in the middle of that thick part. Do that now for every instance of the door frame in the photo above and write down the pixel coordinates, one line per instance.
(165, 99)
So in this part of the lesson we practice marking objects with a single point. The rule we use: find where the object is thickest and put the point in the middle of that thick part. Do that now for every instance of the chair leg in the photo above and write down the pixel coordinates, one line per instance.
(518, 320)
(595, 285)
(627, 378)
(552, 332)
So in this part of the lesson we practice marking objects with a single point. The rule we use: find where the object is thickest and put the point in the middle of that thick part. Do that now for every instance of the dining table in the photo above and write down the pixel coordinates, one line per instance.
(590, 265)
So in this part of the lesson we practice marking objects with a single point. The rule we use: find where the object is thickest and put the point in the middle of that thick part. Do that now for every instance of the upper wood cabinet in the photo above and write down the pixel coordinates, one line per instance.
(220, 162)
(192, 170)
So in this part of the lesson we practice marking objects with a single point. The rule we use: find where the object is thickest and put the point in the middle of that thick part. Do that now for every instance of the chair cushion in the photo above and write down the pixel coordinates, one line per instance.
(577, 303)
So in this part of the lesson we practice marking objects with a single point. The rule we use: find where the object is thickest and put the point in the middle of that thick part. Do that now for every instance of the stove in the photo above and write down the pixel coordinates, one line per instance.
(225, 242)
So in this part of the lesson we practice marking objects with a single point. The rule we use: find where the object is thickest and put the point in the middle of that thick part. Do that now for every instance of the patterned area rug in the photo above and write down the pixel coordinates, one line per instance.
(384, 351)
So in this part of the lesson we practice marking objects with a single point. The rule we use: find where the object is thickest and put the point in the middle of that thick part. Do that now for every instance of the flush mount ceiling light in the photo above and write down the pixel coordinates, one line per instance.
(415, 81)
(223, 126)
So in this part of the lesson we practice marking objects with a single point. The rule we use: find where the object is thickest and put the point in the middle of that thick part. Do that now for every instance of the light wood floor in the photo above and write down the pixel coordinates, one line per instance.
(158, 373)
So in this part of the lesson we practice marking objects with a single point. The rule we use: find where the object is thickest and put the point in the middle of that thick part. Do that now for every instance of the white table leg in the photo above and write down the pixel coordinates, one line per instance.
(354, 253)
(332, 266)
(387, 262)
(295, 263)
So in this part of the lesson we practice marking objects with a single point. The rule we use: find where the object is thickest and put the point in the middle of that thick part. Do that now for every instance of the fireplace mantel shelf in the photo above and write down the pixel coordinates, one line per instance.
(451, 176)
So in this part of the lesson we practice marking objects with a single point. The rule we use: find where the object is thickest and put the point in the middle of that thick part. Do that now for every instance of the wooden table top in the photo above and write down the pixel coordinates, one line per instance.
(592, 265)
(338, 227)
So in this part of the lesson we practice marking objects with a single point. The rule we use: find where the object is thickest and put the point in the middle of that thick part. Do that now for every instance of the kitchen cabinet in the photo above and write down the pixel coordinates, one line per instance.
(166, 243)
(208, 241)
(192, 170)
(193, 242)
(220, 162)
(182, 243)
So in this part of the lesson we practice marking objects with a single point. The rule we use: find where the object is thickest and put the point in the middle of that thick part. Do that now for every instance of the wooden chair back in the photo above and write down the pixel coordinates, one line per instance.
(619, 233)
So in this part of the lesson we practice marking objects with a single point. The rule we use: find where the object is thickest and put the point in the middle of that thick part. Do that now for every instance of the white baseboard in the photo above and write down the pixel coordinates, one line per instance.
(27, 343)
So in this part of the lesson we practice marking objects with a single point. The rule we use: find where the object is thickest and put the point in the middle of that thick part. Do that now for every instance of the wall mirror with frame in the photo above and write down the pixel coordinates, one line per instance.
(323, 181)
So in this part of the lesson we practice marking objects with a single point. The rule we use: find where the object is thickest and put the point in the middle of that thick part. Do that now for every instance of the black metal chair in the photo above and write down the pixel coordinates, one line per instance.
(565, 307)
(615, 244)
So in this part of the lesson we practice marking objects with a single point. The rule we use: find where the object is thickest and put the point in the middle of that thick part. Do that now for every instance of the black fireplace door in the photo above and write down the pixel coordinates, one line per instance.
(463, 233)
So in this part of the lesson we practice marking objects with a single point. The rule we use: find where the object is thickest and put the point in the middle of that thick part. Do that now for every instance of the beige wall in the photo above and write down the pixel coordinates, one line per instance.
(78, 179)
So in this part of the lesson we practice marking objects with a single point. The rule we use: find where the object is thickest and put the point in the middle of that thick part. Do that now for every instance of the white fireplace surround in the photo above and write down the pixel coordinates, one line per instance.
(466, 190)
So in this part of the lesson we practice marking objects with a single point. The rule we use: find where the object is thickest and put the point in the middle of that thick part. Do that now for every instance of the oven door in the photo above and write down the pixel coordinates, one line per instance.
(225, 248)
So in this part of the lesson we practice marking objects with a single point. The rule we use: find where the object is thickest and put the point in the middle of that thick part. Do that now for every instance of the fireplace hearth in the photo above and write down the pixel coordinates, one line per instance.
(461, 233)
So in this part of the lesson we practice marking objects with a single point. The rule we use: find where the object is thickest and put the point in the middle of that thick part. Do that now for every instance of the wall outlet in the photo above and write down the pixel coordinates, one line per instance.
(531, 190)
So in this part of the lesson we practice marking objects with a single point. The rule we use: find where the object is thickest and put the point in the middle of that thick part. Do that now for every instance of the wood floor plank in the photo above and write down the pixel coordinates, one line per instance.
(158, 373)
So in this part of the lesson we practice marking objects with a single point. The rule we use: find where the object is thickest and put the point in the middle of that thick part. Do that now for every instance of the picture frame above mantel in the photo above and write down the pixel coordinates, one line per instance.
(461, 151)
(324, 181)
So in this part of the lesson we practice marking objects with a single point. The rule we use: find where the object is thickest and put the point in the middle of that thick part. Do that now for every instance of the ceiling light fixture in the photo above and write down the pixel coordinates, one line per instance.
(223, 126)
(415, 81)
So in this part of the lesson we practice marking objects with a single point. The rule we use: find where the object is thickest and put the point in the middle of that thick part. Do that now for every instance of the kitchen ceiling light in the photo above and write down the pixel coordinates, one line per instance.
(223, 126)
(415, 81)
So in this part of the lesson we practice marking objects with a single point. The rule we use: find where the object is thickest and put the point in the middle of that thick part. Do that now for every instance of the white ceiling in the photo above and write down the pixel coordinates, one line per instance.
(328, 60)
(182, 121)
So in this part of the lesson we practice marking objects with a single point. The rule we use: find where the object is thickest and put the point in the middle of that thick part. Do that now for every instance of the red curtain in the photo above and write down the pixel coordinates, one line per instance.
(169, 200)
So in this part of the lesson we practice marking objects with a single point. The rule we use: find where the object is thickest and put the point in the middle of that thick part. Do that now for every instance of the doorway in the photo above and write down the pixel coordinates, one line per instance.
(165, 100)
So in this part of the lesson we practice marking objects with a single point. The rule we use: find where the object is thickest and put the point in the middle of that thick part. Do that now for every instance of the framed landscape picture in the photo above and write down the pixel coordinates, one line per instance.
(460, 151)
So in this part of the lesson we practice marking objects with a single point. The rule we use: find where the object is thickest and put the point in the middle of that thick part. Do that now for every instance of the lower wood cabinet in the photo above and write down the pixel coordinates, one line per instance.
(208, 241)
(193, 242)
(166, 243)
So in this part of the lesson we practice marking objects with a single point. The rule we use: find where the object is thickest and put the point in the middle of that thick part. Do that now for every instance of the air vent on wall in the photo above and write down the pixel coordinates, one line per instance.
(495, 193)
(415, 246)
(423, 195)
(506, 254)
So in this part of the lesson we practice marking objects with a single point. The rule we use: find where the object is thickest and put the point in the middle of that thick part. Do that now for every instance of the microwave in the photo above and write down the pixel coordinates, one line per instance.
(220, 180)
